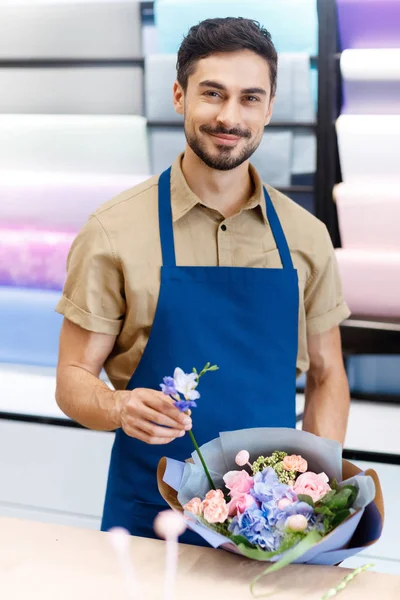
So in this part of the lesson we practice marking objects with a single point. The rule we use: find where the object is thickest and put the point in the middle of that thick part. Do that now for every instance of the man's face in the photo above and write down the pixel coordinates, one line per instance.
(226, 107)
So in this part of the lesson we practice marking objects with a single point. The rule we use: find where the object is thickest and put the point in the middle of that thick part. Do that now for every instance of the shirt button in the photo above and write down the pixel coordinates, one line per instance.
(223, 227)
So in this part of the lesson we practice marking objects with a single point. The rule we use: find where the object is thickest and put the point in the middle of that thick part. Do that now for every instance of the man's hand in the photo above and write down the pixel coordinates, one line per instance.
(150, 416)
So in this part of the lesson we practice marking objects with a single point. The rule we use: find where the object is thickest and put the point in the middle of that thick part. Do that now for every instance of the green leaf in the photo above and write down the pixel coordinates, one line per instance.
(328, 497)
(290, 556)
(306, 498)
(194, 370)
(340, 517)
(334, 485)
(341, 499)
(214, 368)
(241, 540)
(324, 510)
(353, 495)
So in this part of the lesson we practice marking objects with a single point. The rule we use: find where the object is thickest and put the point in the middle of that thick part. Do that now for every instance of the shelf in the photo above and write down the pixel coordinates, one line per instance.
(362, 335)
(46, 63)
(295, 189)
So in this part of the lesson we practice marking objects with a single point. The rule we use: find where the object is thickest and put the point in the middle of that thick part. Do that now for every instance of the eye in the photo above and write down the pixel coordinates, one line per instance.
(251, 99)
(212, 94)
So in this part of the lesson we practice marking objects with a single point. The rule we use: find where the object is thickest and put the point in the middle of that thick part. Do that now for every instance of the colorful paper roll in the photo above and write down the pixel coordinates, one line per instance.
(369, 148)
(369, 216)
(371, 282)
(34, 258)
(91, 30)
(57, 201)
(74, 143)
(371, 81)
(369, 23)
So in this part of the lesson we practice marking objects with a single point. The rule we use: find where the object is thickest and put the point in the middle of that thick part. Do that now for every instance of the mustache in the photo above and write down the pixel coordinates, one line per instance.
(221, 130)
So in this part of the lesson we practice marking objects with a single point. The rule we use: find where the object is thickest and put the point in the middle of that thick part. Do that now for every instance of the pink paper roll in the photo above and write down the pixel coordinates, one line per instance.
(34, 258)
(369, 216)
(371, 282)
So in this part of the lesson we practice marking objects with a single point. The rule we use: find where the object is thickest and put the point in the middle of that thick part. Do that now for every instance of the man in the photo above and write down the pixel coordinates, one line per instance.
(202, 264)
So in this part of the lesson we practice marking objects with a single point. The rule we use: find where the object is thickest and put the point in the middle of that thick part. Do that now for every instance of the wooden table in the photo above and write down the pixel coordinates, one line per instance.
(52, 562)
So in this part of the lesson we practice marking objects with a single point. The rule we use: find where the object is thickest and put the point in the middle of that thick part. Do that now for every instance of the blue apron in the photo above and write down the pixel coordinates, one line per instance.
(245, 320)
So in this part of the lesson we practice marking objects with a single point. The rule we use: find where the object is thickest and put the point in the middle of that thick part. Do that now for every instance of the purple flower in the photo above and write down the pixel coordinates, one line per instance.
(184, 405)
(253, 525)
(168, 387)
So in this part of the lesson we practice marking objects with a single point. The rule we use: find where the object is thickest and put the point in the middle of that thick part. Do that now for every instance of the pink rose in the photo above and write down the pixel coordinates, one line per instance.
(238, 482)
(195, 506)
(313, 485)
(215, 509)
(295, 463)
(240, 503)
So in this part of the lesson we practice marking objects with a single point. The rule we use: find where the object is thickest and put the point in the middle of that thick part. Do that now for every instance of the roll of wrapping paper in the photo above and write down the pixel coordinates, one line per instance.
(56, 200)
(371, 81)
(371, 282)
(369, 23)
(34, 258)
(369, 148)
(113, 144)
(91, 30)
(299, 33)
(369, 215)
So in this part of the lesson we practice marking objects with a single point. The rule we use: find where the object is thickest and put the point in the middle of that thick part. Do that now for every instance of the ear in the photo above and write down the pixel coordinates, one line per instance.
(270, 110)
(178, 98)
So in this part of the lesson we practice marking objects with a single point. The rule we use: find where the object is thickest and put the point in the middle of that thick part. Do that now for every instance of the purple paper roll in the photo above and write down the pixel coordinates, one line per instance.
(369, 23)
(34, 258)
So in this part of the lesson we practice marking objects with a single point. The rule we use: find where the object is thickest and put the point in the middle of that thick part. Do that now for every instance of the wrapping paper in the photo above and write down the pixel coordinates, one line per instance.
(30, 328)
(179, 482)
(113, 144)
(371, 81)
(34, 258)
(103, 29)
(83, 90)
(371, 281)
(369, 216)
(369, 23)
(297, 34)
(58, 201)
(369, 148)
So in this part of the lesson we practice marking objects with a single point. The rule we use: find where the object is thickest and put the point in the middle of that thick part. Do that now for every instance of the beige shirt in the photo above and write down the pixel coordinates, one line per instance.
(113, 279)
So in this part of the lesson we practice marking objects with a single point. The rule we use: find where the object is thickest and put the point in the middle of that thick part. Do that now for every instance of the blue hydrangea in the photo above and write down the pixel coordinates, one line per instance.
(267, 488)
(253, 525)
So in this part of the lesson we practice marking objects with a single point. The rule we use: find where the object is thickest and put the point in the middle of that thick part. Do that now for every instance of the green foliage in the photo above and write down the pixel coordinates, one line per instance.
(335, 506)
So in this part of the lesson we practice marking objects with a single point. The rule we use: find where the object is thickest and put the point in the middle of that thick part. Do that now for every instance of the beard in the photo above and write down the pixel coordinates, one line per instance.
(225, 160)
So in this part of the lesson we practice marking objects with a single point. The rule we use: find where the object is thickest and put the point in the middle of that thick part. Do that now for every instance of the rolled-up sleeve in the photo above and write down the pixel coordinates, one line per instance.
(93, 294)
(324, 303)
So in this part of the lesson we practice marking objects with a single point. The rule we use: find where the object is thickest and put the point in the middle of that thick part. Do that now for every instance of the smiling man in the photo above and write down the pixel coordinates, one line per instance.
(202, 263)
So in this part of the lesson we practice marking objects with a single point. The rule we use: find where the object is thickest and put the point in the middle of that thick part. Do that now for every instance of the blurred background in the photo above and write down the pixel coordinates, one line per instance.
(86, 112)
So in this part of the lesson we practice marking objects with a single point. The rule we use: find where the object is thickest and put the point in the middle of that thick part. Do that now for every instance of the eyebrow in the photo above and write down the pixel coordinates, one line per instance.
(220, 86)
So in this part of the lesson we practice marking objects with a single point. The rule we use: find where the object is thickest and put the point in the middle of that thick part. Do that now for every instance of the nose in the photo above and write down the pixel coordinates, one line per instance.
(229, 115)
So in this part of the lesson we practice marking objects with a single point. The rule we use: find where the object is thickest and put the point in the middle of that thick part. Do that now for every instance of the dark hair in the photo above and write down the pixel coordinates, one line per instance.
(225, 35)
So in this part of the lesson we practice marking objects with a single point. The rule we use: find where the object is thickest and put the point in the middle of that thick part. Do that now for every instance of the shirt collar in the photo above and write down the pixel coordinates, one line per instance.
(183, 199)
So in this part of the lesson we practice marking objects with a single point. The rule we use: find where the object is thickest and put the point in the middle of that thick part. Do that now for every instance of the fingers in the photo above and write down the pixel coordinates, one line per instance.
(152, 434)
(161, 419)
(160, 404)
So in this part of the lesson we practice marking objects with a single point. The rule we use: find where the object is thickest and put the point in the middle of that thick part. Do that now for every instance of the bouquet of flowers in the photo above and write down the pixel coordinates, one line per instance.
(276, 495)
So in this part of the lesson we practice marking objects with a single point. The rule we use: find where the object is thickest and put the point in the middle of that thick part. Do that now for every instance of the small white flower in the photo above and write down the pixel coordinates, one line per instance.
(185, 384)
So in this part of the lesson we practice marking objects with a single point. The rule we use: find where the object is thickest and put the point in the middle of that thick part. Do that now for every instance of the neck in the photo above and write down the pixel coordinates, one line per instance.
(225, 191)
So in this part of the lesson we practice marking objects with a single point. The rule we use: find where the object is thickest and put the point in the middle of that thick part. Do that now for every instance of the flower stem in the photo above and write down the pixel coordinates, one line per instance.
(210, 481)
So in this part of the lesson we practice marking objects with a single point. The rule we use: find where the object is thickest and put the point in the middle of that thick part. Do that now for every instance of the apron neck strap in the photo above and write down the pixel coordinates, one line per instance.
(277, 232)
(165, 219)
(167, 231)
